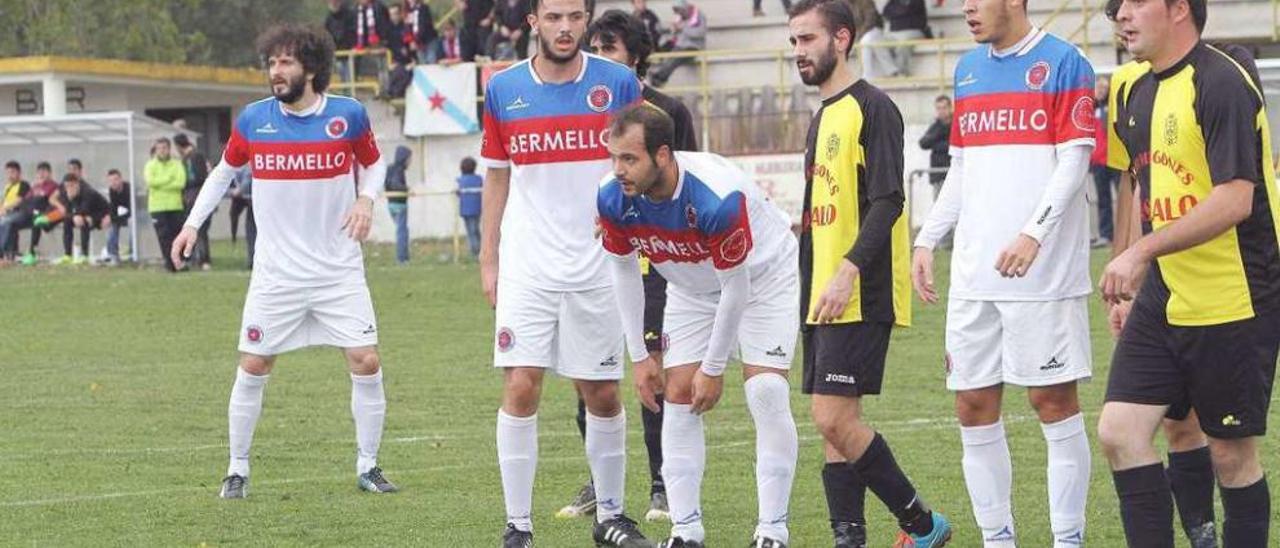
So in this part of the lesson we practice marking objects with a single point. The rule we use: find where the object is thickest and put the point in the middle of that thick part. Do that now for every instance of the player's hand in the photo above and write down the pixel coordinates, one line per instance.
(648, 378)
(1123, 276)
(706, 392)
(1015, 260)
(359, 219)
(835, 297)
(183, 245)
(1117, 315)
(489, 280)
(922, 275)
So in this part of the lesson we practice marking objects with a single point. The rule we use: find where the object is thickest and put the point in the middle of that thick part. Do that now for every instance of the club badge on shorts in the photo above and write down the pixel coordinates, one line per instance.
(506, 340)
(253, 334)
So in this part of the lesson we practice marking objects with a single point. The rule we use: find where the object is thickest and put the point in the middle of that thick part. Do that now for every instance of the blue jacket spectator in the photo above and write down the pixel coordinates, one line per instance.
(469, 185)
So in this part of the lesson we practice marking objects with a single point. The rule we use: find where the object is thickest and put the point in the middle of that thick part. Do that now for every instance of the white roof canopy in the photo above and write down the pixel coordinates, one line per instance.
(92, 127)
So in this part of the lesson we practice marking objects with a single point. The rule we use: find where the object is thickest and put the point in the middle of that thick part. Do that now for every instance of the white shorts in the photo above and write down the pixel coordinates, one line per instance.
(577, 334)
(278, 319)
(766, 336)
(1032, 343)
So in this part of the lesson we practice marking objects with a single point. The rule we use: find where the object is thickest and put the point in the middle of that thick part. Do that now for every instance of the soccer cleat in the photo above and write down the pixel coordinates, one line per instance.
(29, 259)
(63, 260)
(234, 486)
(766, 542)
(849, 535)
(677, 542)
(620, 532)
(939, 536)
(80, 260)
(1203, 536)
(583, 504)
(658, 509)
(515, 538)
(374, 482)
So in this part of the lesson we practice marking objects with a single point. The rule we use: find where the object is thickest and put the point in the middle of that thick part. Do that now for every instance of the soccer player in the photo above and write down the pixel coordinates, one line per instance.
(1020, 146)
(308, 285)
(1190, 469)
(622, 37)
(545, 125)
(853, 253)
(729, 256)
(1204, 324)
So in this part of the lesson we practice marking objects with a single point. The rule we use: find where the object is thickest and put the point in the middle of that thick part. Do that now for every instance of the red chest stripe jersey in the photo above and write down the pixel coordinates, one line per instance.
(553, 138)
(303, 167)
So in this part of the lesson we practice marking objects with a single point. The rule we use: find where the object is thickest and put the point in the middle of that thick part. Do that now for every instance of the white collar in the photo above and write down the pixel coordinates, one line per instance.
(1022, 47)
(309, 111)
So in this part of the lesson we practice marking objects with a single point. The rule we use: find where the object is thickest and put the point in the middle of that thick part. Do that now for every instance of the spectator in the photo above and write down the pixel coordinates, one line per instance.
(400, 75)
(239, 204)
(510, 36)
(76, 168)
(34, 206)
(397, 192)
(341, 24)
(689, 34)
(82, 209)
(197, 168)
(907, 20)
(650, 20)
(15, 189)
(477, 20)
(373, 25)
(242, 190)
(165, 178)
(937, 140)
(469, 185)
(421, 29)
(118, 195)
(757, 11)
(446, 50)
(1104, 178)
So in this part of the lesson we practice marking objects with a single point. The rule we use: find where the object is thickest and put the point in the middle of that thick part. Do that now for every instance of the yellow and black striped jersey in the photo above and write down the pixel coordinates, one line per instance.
(853, 182)
(1200, 123)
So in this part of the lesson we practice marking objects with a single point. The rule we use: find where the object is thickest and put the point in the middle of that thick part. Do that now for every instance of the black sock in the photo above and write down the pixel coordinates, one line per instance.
(846, 493)
(1246, 515)
(1191, 479)
(582, 418)
(653, 443)
(1146, 506)
(882, 475)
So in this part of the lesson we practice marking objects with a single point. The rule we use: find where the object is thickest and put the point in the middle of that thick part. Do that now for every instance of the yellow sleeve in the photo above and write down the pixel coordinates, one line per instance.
(1117, 154)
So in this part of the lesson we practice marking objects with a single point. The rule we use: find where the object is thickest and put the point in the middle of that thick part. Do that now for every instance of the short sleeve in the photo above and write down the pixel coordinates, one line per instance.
(1074, 120)
(728, 232)
(629, 91)
(492, 152)
(1117, 151)
(957, 138)
(364, 144)
(612, 233)
(1229, 122)
(237, 152)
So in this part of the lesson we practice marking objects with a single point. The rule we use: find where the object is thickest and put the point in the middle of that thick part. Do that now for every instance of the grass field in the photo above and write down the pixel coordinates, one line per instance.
(113, 424)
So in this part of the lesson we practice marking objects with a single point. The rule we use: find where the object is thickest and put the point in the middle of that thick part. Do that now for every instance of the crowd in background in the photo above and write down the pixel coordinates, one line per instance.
(72, 204)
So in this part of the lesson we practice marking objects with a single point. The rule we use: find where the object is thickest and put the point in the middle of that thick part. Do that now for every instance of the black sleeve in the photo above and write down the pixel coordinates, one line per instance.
(931, 136)
(686, 137)
(1229, 123)
(200, 165)
(883, 140)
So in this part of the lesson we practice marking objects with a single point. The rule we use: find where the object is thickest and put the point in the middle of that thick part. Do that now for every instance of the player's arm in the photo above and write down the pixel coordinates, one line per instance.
(493, 195)
(729, 239)
(884, 153)
(372, 174)
(628, 290)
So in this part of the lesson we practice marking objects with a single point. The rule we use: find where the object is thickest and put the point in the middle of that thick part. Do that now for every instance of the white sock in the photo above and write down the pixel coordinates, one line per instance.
(242, 418)
(1068, 475)
(606, 446)
(988, 474)
(777, 446)
(369, 409)
(684, 457)
(518, 460)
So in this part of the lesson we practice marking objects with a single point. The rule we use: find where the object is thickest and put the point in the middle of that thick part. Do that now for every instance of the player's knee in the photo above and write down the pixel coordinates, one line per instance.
(977, 408)
(601, 398)
(1054, 406)
(1184, 435)
(679, 393)
(366, 363)
(830, 421)
(1118, 439)
(256, 365)
(520, 392)
(1235, 462)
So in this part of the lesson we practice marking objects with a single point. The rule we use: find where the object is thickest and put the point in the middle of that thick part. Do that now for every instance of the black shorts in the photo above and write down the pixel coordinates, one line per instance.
(1224, 372)
(845, 359)
(655, 305)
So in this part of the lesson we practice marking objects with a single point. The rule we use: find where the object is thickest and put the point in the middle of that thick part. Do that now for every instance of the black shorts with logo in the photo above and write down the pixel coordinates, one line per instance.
(655, 305)
(845, 359)
(1224, 371)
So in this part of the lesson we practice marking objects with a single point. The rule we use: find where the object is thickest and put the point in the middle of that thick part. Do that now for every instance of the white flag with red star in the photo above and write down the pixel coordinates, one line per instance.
(441, 101)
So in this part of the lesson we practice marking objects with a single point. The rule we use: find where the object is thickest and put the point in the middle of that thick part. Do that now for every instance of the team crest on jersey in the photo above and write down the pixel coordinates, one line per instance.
(253, 334)
(506, 340)
(734, 248)
(833, 146)
(336, 127)
(599, 98)
(1171, 129)
(691, 216)
(1082, 114)
(1037, 75)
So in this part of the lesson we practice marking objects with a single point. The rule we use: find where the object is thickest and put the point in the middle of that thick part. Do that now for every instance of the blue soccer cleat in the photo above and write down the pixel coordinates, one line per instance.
(939, 536)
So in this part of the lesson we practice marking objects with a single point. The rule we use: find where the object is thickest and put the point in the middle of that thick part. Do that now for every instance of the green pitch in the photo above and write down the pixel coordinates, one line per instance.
(113, 424)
